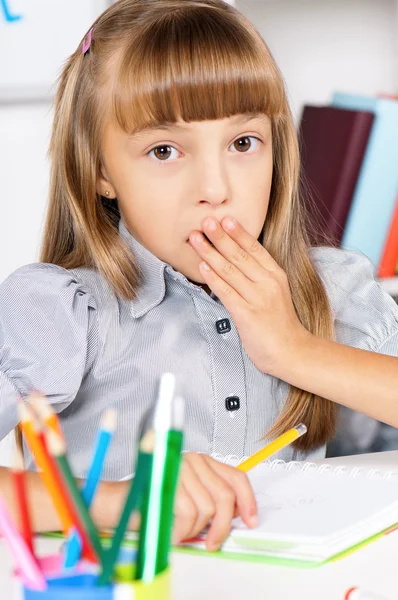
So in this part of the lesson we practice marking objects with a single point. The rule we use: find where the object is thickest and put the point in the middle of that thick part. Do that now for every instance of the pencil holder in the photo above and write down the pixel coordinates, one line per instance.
(159, 589)
(82, 586)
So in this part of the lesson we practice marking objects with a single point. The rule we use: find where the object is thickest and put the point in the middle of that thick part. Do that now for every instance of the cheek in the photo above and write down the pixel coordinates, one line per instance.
(143, 196)
(253, 207)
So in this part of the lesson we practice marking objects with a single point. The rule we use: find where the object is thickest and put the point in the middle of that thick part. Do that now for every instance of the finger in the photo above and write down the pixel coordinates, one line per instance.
(135, 521)
(185, 515)
(232, 250)
(229, 278)
(204, 504)
(231, 299)
(223, 498)
(240, 484)
(249, 243)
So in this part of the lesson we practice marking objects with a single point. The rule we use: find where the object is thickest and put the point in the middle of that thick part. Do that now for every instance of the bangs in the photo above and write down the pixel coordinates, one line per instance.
(194, 64)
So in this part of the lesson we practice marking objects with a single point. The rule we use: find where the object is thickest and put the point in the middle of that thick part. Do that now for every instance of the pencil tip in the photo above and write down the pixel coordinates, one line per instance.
(40, 404)
(108, 422)
(55, 443)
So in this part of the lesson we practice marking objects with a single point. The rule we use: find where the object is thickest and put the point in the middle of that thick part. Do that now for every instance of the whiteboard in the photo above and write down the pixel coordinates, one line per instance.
(36, 37)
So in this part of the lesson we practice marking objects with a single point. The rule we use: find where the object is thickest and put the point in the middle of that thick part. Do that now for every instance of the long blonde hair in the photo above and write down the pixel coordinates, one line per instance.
(157, 61)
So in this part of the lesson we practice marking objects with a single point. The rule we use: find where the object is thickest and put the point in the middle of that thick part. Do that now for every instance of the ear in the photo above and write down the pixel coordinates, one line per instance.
(104, 185)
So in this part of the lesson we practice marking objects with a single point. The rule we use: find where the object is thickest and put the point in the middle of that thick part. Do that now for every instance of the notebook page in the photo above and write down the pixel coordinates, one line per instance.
(313, 506)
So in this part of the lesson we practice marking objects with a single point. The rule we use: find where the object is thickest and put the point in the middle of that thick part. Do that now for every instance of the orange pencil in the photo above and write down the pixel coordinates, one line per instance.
(49, 473)
(45, 412)
(18, 475)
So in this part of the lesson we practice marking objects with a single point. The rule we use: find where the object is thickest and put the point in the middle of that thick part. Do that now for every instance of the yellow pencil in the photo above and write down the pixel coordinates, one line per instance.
(281, 442)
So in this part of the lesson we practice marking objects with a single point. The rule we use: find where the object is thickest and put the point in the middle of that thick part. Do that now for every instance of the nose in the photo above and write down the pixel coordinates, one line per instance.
(213, 181)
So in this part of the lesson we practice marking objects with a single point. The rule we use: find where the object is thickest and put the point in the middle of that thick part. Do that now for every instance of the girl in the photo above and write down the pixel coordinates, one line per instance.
(175, 242)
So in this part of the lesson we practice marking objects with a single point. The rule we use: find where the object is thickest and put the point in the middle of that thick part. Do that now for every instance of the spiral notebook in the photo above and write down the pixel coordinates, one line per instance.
(310, 513)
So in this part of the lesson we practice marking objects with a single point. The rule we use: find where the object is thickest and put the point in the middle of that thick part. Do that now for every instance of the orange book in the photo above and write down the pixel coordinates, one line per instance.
(389, 259)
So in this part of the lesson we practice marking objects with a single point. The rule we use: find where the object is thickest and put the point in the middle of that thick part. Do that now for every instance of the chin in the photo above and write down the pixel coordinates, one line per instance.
(191, 272)
(194, 276)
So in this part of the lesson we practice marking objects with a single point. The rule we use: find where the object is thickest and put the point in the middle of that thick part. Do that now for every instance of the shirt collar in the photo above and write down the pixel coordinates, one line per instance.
(152, 288)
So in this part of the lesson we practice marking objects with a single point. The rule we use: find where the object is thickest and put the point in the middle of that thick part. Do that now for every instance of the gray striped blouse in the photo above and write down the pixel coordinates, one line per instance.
(67, 334)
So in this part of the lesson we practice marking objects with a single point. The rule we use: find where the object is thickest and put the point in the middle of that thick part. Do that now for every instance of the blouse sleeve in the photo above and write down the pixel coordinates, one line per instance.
(48, 336)
(365, 316)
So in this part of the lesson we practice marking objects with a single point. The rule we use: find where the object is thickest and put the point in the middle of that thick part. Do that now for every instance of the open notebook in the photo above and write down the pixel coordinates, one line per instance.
(312, 513)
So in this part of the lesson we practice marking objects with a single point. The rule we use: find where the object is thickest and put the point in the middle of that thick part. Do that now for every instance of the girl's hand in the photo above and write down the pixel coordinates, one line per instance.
(254, 290)
(211, 491)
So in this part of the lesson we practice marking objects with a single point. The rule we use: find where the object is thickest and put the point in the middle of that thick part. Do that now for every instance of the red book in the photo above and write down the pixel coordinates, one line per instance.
(389, 259)
(332, 145)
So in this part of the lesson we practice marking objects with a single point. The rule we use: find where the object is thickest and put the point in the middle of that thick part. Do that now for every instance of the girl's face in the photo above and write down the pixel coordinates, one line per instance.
(168, 179)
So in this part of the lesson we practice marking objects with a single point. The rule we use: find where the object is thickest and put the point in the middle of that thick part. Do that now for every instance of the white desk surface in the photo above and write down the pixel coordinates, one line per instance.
(374, 567)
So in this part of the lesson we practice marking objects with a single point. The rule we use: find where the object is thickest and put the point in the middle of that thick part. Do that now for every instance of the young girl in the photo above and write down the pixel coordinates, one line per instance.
(175, 242)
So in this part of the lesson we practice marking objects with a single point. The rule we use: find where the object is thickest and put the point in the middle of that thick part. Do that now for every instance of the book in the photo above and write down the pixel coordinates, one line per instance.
(373, 202)
(332, 146)
(389, 258)
(310, 514)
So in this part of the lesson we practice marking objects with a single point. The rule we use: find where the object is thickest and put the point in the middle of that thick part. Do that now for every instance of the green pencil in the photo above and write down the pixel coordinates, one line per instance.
(137, 489)
(157, 511)
(57, 448)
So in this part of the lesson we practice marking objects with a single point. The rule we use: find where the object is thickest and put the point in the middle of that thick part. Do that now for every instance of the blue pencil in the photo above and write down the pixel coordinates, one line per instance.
(105, 434)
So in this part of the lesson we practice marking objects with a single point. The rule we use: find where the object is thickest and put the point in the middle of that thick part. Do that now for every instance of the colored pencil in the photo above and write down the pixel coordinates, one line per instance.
(281, 442)
(18, 475)
(25, 561)
(157, 512)
(138, 487)
(85, 525)
(45, 412)
(50, 475)
(107, 428)
(34, 437)
(157, 508)
(106, 431)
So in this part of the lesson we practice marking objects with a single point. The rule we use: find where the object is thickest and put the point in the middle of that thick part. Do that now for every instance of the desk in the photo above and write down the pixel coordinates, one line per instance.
(374, 567)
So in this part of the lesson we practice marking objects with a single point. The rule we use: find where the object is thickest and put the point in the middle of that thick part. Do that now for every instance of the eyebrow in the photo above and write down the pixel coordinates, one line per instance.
(166, 126)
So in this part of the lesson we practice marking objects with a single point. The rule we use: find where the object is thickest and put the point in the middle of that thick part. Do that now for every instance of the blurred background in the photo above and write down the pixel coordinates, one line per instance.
(321, 46)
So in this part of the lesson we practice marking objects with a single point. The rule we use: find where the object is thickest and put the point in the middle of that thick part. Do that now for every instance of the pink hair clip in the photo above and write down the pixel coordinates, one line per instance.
(87, 41)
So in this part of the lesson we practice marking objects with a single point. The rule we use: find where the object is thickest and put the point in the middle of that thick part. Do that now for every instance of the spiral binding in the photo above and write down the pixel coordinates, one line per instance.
(294, 465)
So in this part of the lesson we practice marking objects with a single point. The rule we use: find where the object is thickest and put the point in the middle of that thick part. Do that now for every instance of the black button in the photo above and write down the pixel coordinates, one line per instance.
(223, 326)
(232, 403)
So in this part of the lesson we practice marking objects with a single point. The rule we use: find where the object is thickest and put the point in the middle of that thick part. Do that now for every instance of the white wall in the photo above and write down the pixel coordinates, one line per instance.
(325, 45)
(24, 136)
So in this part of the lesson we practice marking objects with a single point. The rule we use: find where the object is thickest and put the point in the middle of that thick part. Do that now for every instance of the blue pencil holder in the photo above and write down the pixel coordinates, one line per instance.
(74, 587)
(83, 587)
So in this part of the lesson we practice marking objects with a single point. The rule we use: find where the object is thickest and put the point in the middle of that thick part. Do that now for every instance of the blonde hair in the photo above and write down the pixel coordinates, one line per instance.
(157, 61)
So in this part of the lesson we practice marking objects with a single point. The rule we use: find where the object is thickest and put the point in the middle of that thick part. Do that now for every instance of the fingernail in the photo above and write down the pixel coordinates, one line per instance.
(205, 266)
(212, 546)
(198, 237)
(211, 224)
(253, 521)
(229, 223)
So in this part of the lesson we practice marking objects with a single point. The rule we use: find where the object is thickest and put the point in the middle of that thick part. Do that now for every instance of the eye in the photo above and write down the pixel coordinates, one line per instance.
(245, 143)
(162, 153)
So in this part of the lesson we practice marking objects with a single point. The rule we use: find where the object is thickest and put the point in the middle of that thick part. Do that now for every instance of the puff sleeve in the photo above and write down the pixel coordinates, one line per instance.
(365, 316)
(48, 336)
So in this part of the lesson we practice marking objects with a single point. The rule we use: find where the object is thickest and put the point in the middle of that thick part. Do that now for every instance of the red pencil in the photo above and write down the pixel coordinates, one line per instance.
(18, 475)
